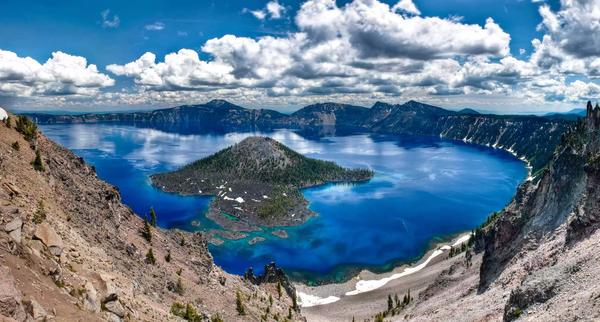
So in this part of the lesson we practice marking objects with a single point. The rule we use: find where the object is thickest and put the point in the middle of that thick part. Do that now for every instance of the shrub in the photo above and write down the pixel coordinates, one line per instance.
(26, 127)
(37, 163)
(216, 318)
(40, 214)
(8, 122)
(150, 259)
(168, 257)
(239, 305)
(147, 231)
(179, 289)
(188, 312)
(16, 146)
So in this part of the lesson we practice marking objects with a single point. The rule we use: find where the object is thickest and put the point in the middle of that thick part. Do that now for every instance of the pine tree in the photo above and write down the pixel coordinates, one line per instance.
(16, 146)
(152, 217)
(168, 257)
(37, 163)
(279, 289)
(390, 303)
(239, 305)
(147, 231)
(289, 313)
(179, 289)
(294, 303)
(150, 259)
(8, 122)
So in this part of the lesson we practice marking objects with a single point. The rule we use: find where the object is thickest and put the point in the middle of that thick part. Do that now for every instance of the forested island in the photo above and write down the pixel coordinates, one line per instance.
(256, 182)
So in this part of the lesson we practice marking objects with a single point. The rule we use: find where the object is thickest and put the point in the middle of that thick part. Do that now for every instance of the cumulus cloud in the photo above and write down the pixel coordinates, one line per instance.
(367, 50)
(336, 49)
(107, 21)
(63, 74)
(571, 42)
(406, 6)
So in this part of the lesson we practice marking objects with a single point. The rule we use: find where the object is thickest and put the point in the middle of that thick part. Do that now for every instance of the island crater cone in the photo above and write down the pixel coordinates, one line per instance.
(256, 182)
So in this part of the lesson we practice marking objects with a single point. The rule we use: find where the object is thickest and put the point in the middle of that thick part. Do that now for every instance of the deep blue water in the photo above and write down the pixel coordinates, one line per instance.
(423, 189)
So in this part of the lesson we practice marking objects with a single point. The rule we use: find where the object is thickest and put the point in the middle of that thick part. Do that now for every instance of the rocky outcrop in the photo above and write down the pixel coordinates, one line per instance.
(271, 275)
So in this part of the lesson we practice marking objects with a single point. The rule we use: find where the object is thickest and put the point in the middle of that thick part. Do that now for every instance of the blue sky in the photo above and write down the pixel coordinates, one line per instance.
(517, 78)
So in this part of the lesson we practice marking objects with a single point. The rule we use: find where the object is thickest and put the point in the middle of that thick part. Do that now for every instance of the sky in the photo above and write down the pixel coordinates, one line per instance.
(505, 56)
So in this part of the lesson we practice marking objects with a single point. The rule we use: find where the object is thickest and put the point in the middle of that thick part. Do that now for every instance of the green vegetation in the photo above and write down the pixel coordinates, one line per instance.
(286, 168)
(279, 289)
(152, 217)
(40, 214)
(278, 205)
(16, 146)
(147, 231)
(168, 257)
(216, 318)
(394, 306)
(26, 127)
(179, 289)
(37, 163)
(239, 305)
(150, 259)
(8, 122)
(189, 313)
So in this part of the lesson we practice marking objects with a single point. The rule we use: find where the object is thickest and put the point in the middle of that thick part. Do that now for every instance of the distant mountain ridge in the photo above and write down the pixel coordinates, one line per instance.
(531, 138)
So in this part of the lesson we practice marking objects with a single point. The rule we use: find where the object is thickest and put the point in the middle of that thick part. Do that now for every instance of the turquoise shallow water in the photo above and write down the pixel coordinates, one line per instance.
(424, 188)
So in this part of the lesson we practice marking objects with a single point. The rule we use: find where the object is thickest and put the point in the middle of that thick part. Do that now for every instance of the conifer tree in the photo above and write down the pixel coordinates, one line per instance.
(239, 304)
(147, 231)
(37, 163)
(152, 217)
(150, 257)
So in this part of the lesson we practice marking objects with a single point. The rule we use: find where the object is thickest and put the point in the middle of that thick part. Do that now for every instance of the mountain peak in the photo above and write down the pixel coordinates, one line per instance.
(221, 103)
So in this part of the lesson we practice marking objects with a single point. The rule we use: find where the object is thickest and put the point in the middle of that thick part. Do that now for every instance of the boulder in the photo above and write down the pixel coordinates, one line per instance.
(13, 225)
(90, 300)
(115, 307)
(34, 309)
(13, 228)
(50, 238)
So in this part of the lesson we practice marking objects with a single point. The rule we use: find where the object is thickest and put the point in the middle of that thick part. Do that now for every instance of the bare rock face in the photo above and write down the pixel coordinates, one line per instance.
(10, 297)
(35, 310)
(50, 238)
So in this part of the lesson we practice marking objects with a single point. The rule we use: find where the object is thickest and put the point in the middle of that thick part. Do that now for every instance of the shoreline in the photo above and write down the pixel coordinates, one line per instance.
(367, 281)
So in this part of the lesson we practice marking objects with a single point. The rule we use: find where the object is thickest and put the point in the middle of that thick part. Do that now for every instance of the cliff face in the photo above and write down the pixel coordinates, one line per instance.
(566, 194)
(70, 250)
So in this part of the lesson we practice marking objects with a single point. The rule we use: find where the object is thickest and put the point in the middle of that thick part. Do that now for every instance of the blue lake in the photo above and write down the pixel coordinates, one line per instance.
(424, 189)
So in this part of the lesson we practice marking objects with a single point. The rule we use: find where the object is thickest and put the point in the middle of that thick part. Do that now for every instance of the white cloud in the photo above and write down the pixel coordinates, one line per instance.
(63, 74)
(364, 51)
(406, 6)
(259, 14)
(157, 26)
(108, 22)
(273, 10)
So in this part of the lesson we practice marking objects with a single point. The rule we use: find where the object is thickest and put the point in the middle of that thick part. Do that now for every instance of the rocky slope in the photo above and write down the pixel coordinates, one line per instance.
(528, 137)
(256, 182)
(537, 260)
(70, 250)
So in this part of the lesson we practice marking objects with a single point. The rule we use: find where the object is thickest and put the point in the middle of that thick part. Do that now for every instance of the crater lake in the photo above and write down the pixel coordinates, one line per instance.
(425, 189)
